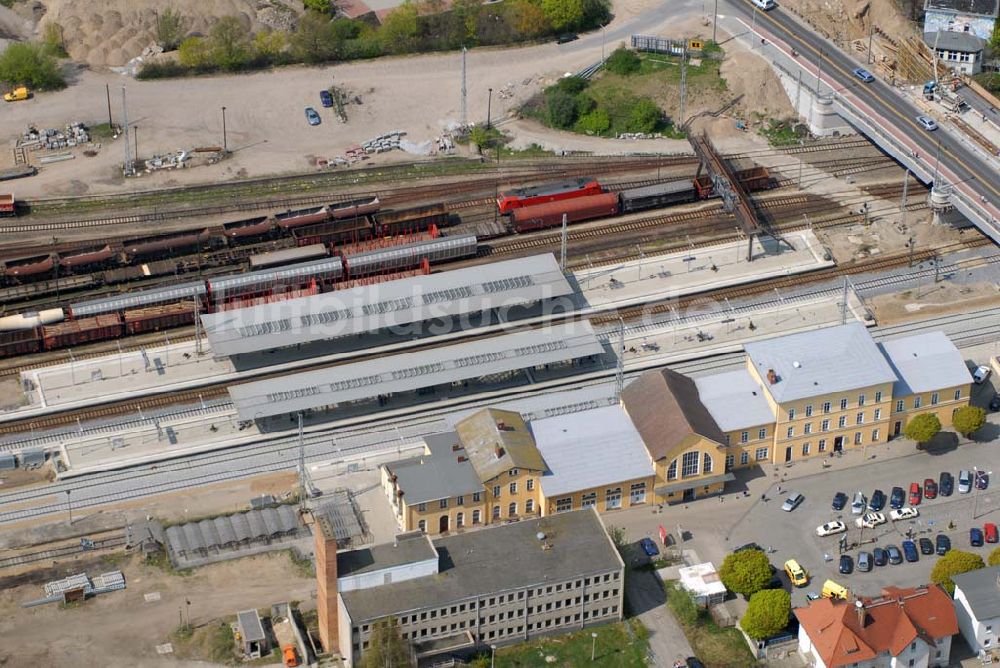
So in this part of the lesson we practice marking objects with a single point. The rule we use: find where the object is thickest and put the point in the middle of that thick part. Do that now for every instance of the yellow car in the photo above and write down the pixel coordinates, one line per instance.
(17, 94)
(833, 590)
(796, 573)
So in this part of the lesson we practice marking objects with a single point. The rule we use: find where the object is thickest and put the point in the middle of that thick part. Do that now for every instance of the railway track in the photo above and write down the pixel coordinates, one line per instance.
(63, 551)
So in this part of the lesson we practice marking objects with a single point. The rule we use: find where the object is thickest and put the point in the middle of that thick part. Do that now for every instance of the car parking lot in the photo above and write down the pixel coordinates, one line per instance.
(793, 535)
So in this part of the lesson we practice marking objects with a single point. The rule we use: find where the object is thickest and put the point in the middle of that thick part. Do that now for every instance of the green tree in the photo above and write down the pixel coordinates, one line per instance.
(400, 29)
(968, 420)
(595, 122)
(682, 603)
(954, 562)
(230, 43)
(994, 558)
(319, 6)
(922, 428)
(563, 14)
(745, 572)
(386, 647)
(268, 45)
(29, 64)
(994, 40)
(560, 107)
(53, 40)
(527, 18)
(596, 13)
(171, 26)
(767, 613)
(644, 116)
(483, 138)
(623, 61)
(314, 40)
(194, 52)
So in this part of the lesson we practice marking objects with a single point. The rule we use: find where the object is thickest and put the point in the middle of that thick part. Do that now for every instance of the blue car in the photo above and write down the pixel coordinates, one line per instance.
(864, 75)
(910, 551)
(326, 98)
(976, 537)
(897, 498)
(877, 502)
(839, 501)
(879, 557)
(649, 547)
(895, 557)
(312, 116)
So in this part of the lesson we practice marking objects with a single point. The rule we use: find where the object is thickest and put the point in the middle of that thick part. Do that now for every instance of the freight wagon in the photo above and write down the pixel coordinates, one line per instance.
(417, 219)
(88, 258)
(355, 208)
(85, 330)
(334, 232)
(166, 244)
(20, 342)
(657, 196)
(292, 219)
(259, 226)
(269, 281)
(398, 258)
(39, 265)
(509, 200)
(161, 316)
(288, 256)
(576, 210)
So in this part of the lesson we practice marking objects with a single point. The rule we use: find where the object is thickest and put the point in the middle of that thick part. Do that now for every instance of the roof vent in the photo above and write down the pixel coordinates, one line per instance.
(498, 451)
(797, 365)
(540, 535)
(462, 458)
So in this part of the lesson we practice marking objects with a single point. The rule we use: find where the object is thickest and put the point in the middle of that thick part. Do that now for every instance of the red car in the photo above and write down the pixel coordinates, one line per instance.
(990, 532)
(930, 488)
(915, 494)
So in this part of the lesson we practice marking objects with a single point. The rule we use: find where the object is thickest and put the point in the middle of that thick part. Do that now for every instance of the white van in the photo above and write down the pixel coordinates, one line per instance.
(764, 4)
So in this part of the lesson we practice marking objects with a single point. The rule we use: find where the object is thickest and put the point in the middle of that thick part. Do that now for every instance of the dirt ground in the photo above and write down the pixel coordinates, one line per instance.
(933, 299)
(22, 478)
(123, 628)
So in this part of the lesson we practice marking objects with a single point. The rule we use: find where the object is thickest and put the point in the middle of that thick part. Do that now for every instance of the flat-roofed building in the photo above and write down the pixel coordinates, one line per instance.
(737, 404)
(683, 439)
(830, 389)
(504, 584)
(595, 458)
(932, 378)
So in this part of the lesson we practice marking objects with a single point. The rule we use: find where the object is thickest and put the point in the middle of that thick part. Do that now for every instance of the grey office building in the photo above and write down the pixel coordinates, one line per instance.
(499, 585)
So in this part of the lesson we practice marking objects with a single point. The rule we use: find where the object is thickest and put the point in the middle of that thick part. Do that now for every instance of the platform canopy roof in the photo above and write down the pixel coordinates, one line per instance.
(370, 308)
(412, 371)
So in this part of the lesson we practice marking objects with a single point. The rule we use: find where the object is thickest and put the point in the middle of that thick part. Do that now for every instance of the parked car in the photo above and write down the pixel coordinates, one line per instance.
(877, 502)
(942, 544)
(915, 494)
(325, 98)
(796, 574)
(693, 662)
(870, 520)
(839, 501)
(312, 117)
(846, 564)
(995, 403)
(897, 497)
(990, 532)
(976, 537)
(863, 74)
(859, 503)
(565, 38)
(982, 479)
(792, 502)
(879, 557)
(864, 562)
(649, 547)
(926, 546)
(964, 482)
(980, 375)
(907, 513)
(831, 528)
(895, 556)
(927, 123)
(930, 489)
(946, 484)
(910, 551)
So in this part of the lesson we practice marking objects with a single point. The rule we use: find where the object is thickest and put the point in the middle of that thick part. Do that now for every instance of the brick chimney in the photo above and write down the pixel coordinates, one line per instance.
(326, 583)
(772, 377)
(859, 608)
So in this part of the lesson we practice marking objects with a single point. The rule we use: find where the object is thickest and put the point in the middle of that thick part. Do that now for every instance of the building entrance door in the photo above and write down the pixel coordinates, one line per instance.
(443, 524)
(896, 428)
(838, 444)
(689, 494)
(788, 453)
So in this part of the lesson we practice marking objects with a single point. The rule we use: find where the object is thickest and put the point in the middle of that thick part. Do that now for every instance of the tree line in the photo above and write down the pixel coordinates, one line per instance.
(413, 27)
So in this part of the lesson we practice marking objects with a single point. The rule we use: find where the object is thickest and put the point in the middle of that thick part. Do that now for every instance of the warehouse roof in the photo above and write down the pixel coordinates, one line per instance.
(412, 371)
(925, 362)
(496, 559)
(372, 307)
(406, 548)
(441, 474)
(273, 276)
(982, 591)
(497, 441)
(137, 298)
(734, 399)
(590, 449)
(819, 362)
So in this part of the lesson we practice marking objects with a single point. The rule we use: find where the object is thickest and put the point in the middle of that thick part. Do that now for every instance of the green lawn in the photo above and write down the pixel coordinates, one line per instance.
(716, 647)
(619, 645)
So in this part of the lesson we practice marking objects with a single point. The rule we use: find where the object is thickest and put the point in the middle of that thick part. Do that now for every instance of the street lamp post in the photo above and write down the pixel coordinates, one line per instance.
(593, 645)
(69, 506)
(489, 105)
(225, 142)
(135, 134)
(493, 655)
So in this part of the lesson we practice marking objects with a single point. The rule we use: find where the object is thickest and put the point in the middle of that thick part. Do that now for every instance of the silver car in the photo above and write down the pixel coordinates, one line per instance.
(860, 503)
(792, 502)
(964, 482)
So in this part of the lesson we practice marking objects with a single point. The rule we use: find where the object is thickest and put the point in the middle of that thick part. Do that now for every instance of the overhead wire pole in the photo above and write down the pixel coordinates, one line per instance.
(620, 371)
(197, 326)
(128, 156)
(302, 468)
(902, 206)
(465, 119)
(683, 83)
(562, 243)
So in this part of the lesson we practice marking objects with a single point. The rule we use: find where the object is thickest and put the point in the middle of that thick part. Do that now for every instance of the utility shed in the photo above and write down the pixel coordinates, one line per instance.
(250, 635)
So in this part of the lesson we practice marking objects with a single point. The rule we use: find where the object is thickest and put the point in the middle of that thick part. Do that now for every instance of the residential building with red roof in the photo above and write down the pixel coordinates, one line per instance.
(902, 628)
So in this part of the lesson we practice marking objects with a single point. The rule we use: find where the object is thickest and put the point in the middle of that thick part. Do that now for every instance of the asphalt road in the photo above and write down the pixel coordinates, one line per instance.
(891, 109)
